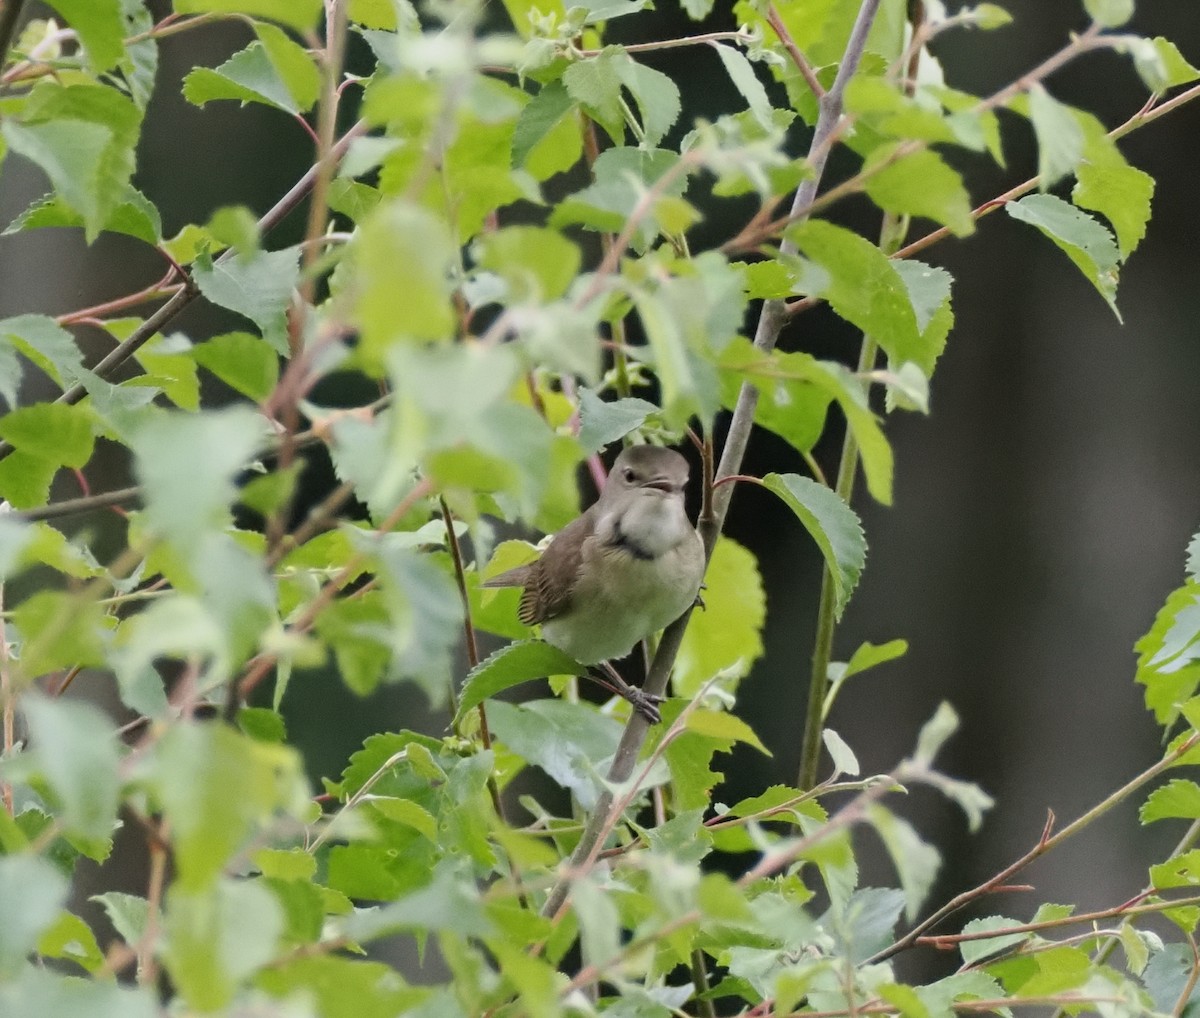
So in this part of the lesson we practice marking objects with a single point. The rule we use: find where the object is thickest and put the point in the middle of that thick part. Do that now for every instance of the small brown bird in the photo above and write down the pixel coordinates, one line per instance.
(630, 565)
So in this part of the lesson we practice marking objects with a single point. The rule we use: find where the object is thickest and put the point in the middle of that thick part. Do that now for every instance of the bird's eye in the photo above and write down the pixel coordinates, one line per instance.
(628, 474)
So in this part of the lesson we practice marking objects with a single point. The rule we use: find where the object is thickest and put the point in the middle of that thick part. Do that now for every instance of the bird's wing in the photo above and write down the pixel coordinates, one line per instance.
(542, 598)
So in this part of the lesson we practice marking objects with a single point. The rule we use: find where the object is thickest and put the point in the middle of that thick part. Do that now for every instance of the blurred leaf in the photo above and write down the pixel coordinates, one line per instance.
(298, 14)
(916, 862)
(1159, 63)
(537, 264)
(1109, 13)
(1166, 666)
(76, 751)
(832, 524)
(844, 760)
(342, 987)
(58, 630)
(100, 28)
(1080, 237)
(31, 893)
(41, 993)
(402, 248)
(725, 637)
(193, 768)
(217, 936)
(186, 464)
(510, 666)
(71, 939)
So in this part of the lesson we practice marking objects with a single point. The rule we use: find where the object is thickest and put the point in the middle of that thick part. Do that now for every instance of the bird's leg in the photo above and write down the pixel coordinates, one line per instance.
(646, 704)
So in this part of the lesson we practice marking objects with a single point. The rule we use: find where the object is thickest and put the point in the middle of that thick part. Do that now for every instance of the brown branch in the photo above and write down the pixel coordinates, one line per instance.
(794, 51)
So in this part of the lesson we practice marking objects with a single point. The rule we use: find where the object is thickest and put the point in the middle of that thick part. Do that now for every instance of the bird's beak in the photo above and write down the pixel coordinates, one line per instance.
(663, 484)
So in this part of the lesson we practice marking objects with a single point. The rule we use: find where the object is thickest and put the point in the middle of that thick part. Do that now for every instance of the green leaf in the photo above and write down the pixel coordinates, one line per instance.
(25, 480)
(193, 768)
(31, 893)
(541, 120)
(217, 937)
(1159, 63)
(795, 390)
(569, 741)
(919, 184)
(602, 422)
(1169, 674)
(833, 525)
(274, 71)
(186, 464)
(71, 939)
(864, 287)
(1109, 13)
(1178, 799)
(725, 637)
(76, 752)
(258, 286)
(1085, 241)
(51, 347)
(298, 14)
(595, 83)
(83, 137)
(976, 950)
(1059, 137)
(242, 361)
(510, 666)
(870, 655)
(59, 433)
(657, 97)
(100, 26)
(136, 216)
(622, 177)
(1109, 185)
(741, 73)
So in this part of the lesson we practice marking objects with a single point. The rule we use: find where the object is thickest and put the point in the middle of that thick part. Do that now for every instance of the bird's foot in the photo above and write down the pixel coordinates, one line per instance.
(699, 602)
(646, 704)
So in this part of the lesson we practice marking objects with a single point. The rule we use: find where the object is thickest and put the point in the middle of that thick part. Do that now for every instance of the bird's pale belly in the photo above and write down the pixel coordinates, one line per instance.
(628, 600)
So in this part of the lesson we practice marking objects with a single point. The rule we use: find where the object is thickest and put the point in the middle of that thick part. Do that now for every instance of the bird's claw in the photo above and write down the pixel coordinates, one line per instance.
(646, 704)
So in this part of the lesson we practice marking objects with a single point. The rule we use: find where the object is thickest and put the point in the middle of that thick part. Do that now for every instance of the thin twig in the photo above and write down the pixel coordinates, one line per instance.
(794, 51)
(1045, 843)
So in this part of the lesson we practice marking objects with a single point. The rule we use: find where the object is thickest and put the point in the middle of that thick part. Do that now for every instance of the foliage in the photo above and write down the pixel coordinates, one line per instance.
(500, 246)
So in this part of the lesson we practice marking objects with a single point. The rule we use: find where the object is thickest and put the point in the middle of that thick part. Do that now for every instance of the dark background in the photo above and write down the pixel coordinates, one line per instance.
(1041, 512)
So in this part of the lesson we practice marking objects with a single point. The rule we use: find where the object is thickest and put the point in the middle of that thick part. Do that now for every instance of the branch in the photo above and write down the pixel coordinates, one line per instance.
(151, 326)
(1045, 843)
(770, 322)
(10, 14)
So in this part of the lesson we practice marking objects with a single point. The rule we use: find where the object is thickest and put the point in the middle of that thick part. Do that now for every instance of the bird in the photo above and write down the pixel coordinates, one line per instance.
(628, 566)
